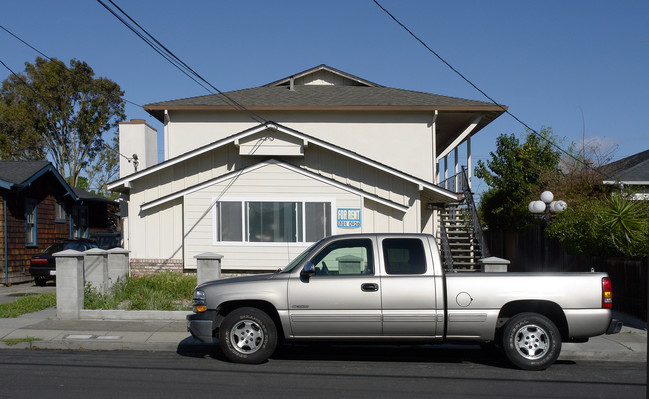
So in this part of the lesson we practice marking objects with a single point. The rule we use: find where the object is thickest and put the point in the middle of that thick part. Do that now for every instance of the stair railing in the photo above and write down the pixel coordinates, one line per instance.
(446, 248)
(473, 212)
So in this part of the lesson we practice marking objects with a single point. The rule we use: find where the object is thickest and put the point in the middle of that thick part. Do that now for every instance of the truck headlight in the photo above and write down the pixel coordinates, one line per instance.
(199, 301)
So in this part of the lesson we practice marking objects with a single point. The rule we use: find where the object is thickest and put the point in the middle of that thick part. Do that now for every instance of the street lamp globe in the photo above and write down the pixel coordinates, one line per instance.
(558, 206)
(536, 207)
(547, 197)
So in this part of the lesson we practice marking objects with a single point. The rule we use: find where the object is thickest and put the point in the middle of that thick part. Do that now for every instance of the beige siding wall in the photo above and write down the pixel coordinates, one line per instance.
(156, 233)
(400, 140)
(183, 228)
(269, 183)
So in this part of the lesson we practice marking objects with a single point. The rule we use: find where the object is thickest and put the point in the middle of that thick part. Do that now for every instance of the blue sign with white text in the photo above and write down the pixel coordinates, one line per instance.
(349, 218)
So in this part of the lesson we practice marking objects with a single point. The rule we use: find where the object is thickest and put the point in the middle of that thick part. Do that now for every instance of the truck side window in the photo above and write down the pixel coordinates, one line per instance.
(345, 257)
(404, 256)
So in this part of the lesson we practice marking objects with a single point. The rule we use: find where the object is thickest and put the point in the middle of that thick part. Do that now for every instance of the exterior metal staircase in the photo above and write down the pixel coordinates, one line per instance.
(461, 237)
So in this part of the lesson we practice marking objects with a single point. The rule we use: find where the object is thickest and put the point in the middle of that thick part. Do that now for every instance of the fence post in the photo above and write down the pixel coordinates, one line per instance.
(95, 269)
(494, 264)
(69, 284)
(118, 265)
(208, 267)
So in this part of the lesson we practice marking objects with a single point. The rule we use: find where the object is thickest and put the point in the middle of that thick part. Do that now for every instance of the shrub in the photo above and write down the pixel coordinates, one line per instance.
(160, 291)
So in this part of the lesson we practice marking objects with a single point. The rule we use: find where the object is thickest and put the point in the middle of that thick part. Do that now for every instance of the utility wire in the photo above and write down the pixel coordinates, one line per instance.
(175, 60)
(44, 55)
(24, 42)
(505, 110)
(147, 41)
(24, 83)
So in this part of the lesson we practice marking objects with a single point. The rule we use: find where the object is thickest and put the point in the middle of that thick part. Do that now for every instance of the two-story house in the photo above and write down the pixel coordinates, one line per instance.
(259, 174)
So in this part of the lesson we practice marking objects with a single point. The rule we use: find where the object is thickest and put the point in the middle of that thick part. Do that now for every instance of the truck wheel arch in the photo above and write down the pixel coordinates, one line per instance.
(225, 308)
(549, 309)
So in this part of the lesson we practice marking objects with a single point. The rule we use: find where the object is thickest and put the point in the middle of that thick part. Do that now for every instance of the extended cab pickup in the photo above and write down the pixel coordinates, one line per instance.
(392, 287)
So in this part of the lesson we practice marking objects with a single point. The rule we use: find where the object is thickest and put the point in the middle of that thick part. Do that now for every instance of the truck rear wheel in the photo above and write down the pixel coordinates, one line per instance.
(531, 341)
(247, 335)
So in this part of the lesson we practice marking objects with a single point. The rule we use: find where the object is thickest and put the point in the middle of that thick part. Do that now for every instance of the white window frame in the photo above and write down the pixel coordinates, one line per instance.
(243, 200)
(60, 213)
(31, 228)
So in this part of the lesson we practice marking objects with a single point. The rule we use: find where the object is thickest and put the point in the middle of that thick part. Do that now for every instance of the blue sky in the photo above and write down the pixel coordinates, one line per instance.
(550, 61)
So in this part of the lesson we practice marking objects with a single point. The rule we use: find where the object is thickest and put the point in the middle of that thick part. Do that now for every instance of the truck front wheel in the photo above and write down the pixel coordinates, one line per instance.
(247, 335)
(531, 341)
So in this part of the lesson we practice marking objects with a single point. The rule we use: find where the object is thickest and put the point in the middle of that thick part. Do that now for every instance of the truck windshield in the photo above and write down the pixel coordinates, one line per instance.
(289, 268)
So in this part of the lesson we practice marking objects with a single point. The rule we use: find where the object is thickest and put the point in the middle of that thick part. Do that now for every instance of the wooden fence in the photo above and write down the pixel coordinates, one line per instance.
(530, 251)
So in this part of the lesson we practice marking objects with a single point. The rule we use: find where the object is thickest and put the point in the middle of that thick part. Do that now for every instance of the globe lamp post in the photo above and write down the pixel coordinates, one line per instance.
(543, 209)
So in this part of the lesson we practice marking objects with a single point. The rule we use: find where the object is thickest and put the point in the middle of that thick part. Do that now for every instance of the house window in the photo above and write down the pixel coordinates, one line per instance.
(31, 223)
(319, 220)
(59, 212)
(79, 222)
(231, 228)
(272, 221)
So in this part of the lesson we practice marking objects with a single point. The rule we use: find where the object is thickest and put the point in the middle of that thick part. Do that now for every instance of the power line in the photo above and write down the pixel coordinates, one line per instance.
(175, 60)
(26, 84)
(44, 55)
(24, 42)
(505, 110)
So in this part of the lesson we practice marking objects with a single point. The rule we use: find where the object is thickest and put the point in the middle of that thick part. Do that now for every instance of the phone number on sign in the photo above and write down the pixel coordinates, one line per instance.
(349, 223)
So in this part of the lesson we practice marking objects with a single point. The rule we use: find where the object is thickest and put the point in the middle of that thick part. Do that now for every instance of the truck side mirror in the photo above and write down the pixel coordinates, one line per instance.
(308, 270)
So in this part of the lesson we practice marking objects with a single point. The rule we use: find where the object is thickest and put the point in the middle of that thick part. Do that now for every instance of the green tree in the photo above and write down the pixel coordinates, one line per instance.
(516, 174)
(58, 112)
(600, 220)
(603, 223)
(105, 170)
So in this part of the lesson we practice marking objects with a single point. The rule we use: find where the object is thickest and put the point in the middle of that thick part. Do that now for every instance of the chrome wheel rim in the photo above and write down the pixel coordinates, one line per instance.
(247, 337)
(532, 342)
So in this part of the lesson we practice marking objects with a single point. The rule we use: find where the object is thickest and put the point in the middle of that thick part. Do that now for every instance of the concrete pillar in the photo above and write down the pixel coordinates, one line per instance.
(69, 284)
(494, 264)
(95, 269)
(208, 267)
(118, 265)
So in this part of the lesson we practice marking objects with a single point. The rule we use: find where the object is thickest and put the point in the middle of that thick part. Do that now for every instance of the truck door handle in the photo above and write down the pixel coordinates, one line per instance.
(368, 287)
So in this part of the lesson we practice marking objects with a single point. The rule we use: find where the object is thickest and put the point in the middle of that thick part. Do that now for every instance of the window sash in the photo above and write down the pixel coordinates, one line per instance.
(272, 221)
(31, 223)
(60, 215)
(80, 222)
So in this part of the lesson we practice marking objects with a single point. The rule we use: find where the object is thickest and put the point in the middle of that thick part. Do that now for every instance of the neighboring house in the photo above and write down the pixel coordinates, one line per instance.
(631, 172)
(37, 206)
(341, 155)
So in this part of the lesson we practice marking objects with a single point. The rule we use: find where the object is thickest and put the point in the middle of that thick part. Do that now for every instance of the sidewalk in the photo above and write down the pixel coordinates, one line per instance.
(150, 332)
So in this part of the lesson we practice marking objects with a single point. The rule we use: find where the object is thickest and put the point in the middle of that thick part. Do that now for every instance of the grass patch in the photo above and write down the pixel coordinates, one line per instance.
(15, 341)
(28, 304)
(160, 291)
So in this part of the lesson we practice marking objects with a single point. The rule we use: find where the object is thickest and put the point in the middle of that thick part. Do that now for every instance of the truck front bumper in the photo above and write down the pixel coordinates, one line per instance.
(614, 327)
(201, 326)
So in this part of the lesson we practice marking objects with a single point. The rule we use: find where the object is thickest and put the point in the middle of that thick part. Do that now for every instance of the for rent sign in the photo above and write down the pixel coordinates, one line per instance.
(349, 218)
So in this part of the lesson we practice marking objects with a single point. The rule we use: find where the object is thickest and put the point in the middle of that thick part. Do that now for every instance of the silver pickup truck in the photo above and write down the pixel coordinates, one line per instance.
(393, 288)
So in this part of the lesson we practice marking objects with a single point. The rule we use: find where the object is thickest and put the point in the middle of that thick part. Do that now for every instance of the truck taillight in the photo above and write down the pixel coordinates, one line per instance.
(607, 293)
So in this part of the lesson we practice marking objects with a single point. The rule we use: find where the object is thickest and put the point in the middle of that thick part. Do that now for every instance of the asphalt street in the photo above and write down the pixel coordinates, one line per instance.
(357, 373)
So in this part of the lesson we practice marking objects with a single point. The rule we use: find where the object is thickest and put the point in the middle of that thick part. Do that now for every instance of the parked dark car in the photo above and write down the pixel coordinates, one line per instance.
(107, 240)
(43, 266)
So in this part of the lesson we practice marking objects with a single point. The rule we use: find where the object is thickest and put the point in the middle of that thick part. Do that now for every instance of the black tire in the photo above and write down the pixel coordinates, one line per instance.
(40, 281)
(531, 341)
(248, 335)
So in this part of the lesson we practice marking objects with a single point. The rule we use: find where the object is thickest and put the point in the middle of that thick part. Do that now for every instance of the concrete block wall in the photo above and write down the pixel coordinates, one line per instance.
(74, 269)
